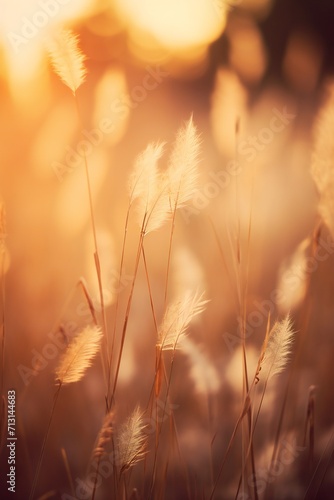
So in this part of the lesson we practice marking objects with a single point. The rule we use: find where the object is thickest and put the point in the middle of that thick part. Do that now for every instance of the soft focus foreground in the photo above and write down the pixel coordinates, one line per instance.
(167, 240)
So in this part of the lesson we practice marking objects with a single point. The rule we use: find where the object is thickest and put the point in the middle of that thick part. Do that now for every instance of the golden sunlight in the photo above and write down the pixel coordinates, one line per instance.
(166, 249)
(175, 24)
(24, 27)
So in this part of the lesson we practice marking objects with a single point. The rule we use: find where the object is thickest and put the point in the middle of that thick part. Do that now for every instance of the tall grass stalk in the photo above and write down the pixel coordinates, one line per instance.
(127, 314)
(105, 359)
(68, 62)
(121, 266)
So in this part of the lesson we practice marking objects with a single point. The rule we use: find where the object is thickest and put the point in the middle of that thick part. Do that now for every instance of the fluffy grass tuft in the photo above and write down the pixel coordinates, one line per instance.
(183, 166)
(131, 441)
(278, 349)
(67, 59)
(79, 355)
(177, 318)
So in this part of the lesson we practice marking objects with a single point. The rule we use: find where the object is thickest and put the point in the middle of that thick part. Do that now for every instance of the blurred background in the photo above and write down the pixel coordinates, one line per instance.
(253, 74)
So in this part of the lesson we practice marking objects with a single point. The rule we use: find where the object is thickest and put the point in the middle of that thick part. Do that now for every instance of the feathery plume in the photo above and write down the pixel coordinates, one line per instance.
(79, 355)
(322, 166)
(177, 319)
(67, 59)
(183, 165)
(104, 436)
(278, 349)
(131, 441)
(148, 186)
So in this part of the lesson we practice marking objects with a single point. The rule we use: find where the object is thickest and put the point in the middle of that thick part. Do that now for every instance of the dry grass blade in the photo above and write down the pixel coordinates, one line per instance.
(83, 284)
(131, 441)
(177, 319)
(79, 355)
(67, 59)
(183, 166)
(278, 349)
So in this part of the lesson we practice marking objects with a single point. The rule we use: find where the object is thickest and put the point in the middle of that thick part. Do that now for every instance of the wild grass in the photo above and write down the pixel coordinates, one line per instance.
(141, 443)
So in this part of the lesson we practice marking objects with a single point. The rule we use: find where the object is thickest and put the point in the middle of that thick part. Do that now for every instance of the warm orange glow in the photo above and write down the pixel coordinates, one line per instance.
(24, 26)
(228, 105)
(72, 207)
(166, 249)
(48, 148)
(259, 7)
(247, 53)
(108, 263)
(302, 62)
(176, 24)
(110, 90)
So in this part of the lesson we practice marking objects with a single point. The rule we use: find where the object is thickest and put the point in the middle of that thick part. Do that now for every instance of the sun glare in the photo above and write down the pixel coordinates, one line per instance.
(176, 24)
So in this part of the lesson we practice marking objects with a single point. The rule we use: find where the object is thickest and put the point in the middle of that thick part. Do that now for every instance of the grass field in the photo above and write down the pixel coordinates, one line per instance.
(167, 241)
